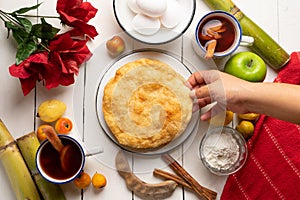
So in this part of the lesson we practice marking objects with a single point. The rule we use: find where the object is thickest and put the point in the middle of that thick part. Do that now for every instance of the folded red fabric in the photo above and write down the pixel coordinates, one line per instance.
(272, 170)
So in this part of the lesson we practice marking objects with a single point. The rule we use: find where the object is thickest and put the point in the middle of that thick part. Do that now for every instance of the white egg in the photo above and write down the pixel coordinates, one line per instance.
(173, 14)
(152, 8)
(145, 25)
(132, 6)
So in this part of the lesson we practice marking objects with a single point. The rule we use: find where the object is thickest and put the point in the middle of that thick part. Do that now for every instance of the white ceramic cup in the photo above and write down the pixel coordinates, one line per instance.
(50, 168)
(239, 39)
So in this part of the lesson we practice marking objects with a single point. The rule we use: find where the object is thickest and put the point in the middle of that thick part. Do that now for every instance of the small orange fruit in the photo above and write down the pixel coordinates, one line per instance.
(246, 128)
(83, 180)
(98, 180)
(249, 116)
(40, 132)
(222, 119)
(63, 125)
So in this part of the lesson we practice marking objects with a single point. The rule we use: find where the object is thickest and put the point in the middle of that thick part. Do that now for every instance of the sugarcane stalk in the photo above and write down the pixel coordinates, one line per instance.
(15, 167)
(5, 136)
(28, 145)
(272, 53)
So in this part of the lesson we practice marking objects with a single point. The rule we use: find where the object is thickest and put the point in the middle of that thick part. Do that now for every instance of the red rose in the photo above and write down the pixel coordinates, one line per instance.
(68, 53)
(55, 68)
(35, 68)
(76, 13)
(61, 56)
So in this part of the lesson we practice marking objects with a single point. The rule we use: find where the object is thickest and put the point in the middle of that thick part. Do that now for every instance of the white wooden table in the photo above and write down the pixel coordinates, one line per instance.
(279, 18)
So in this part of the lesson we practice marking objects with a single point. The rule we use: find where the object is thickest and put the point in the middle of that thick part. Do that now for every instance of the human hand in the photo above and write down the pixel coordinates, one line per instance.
(215, 86)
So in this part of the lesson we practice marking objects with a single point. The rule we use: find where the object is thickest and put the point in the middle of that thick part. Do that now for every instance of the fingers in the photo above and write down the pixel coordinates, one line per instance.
(200, 92)
(204, 102)
(217, 109)
(200, 87)
(195, 79)
(203, 77)
(200, 103)
(206, 116)
(207, 87)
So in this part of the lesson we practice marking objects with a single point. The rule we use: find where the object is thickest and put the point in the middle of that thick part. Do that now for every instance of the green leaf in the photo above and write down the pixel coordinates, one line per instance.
(26, 9)
(25, 23)
(24, 50)
(11, 26)
(19, 33)
(44, 31)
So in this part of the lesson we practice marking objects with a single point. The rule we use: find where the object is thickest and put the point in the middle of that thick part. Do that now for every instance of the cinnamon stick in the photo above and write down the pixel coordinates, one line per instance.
(202, 192)
(173, 177)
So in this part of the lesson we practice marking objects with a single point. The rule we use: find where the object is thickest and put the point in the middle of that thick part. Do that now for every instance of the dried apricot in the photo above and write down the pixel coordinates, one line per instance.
(83, 180)
(98, 180)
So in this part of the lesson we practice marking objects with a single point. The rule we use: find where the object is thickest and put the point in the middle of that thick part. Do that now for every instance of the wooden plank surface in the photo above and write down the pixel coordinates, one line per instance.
(279, 18)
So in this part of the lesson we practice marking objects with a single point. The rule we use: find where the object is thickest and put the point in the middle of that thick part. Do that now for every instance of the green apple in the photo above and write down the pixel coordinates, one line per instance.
(246, 65)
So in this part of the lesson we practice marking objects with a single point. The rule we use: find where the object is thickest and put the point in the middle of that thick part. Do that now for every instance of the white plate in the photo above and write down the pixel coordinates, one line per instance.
(124, 17)
(110, 72)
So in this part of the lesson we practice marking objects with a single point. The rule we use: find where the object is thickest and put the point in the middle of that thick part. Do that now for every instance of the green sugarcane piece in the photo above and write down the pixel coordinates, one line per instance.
(5, 136)
(18, 174)
(272, 53)
(15, 167)
(28, 145)
(48, 190)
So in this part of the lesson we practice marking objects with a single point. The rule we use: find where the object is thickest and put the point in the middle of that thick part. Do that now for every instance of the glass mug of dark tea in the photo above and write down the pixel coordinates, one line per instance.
(60, 167)
(219, 34)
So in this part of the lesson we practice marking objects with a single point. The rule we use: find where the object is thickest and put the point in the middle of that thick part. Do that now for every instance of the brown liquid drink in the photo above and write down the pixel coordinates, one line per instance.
(51, 164)
(218, 34)
(217, 28)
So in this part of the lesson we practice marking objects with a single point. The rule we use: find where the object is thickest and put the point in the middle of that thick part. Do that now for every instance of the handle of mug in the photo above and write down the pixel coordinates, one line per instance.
(246, 41)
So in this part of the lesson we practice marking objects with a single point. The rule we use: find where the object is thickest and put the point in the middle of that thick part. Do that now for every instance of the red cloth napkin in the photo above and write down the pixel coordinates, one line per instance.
(272, 170)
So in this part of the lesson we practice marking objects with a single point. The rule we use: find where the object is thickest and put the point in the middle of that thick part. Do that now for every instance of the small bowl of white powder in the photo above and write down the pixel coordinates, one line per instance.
(223, 150)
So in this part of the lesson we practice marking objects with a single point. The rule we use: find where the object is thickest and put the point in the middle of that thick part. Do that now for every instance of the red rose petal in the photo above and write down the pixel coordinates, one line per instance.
(76, 14)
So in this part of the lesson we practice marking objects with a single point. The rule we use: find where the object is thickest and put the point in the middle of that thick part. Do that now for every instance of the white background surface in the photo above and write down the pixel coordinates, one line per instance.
(279, 18)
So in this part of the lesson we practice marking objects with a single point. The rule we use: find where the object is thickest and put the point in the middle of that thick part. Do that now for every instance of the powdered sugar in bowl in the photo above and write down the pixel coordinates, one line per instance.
(223, 150)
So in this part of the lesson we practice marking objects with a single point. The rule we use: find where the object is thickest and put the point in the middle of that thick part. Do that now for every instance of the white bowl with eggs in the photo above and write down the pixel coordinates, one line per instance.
(154, 21)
